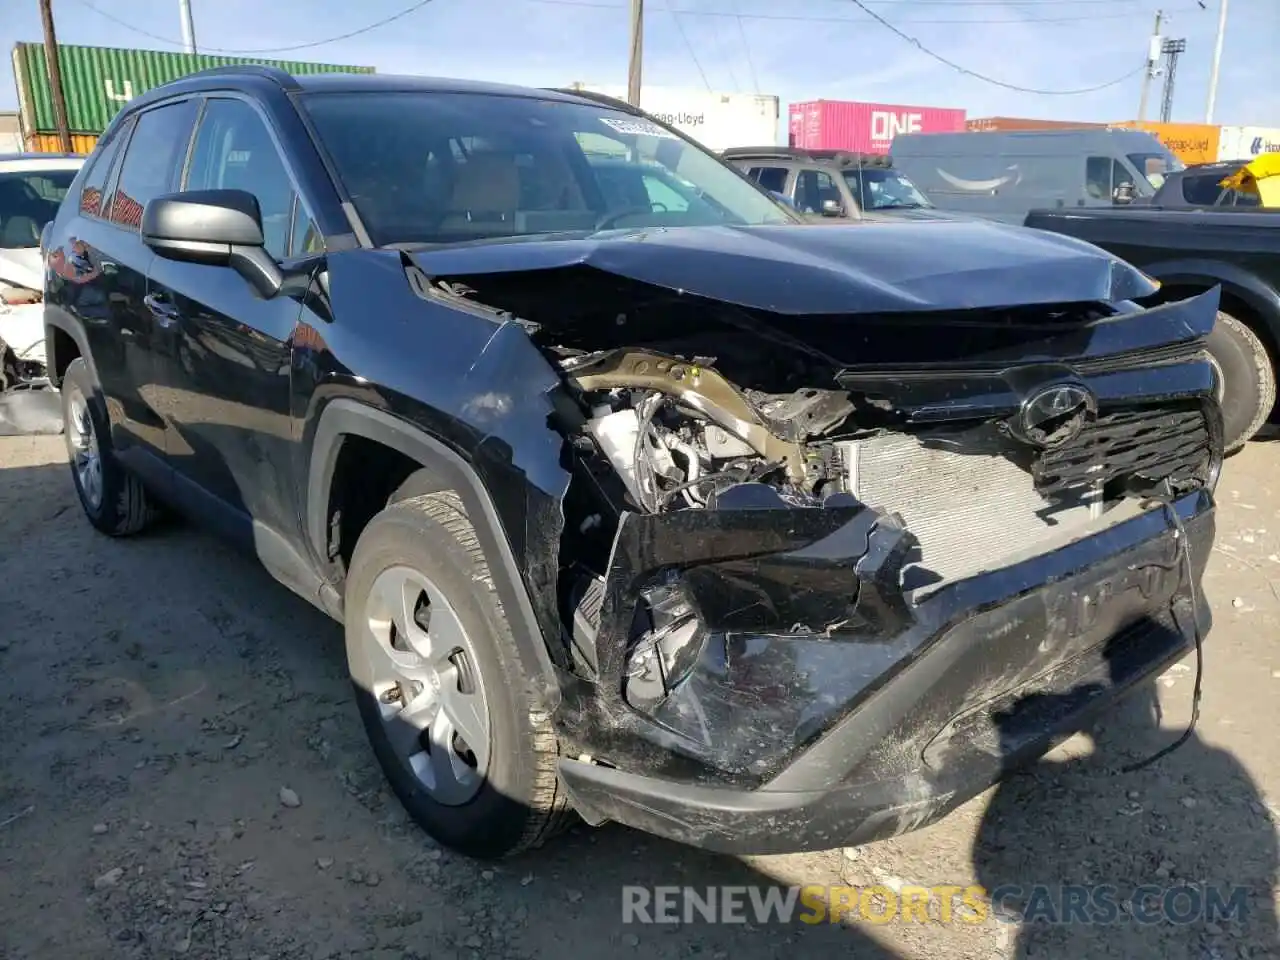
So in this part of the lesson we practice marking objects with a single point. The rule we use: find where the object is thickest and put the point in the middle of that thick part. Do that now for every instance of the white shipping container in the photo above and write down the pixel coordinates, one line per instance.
(716, 120)
(1245, 143)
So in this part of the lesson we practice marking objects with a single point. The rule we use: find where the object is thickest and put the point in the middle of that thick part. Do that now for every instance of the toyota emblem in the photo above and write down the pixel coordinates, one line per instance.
(1056, 414)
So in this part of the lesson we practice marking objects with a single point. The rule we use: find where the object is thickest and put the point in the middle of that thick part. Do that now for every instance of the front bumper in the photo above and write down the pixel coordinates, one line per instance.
(786, 741)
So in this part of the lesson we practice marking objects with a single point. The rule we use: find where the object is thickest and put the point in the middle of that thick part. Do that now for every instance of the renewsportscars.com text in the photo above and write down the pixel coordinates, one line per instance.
(1054, 904)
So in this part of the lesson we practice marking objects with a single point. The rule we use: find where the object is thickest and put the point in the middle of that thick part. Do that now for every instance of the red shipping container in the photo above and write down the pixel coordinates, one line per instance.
(864, 127)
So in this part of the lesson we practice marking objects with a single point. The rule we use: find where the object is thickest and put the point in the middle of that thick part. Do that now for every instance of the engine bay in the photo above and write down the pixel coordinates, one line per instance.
(679, 434)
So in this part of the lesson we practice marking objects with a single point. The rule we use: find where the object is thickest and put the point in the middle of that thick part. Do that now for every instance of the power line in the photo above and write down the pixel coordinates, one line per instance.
(689, 46)
(746, 49)
(798, 18)
(980, 76)
(412, 8)
(990, 3)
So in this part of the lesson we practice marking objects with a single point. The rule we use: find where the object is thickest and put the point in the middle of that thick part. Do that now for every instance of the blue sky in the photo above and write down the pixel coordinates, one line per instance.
(801, 50)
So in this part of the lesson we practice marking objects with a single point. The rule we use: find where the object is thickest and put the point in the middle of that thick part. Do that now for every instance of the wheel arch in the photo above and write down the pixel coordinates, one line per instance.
(64, 340)
(1240, 288)
(342, 419)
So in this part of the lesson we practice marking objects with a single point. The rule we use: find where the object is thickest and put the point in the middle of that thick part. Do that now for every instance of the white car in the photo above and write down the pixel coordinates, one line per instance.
(32, 186)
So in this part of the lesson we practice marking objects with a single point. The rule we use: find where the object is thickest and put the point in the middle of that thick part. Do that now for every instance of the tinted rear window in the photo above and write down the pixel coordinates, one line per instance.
(1202, 190)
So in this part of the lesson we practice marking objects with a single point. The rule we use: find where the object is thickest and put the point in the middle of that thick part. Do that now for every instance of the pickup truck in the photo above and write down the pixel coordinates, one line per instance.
(1191, 251)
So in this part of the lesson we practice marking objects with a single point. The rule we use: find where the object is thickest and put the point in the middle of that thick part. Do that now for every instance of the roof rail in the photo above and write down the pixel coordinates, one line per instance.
(844, 158)
(262, 70)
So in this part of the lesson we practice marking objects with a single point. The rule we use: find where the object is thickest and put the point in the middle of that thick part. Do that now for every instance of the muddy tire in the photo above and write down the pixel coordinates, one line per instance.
(442, 687)
(1247, 379)
(113, 499)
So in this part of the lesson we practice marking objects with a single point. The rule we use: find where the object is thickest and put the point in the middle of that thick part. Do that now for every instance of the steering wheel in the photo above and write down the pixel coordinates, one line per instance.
(609, 218)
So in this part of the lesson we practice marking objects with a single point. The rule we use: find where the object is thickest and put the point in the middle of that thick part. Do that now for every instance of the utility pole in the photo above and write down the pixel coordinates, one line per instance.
(1217, 60)
(1153, 57)
(1172, 49)
(55, 75)
(637, 52)
(188, 26)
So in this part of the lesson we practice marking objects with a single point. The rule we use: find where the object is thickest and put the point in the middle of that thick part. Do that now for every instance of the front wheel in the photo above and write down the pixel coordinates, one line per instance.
(441, 685)
(1246, 379)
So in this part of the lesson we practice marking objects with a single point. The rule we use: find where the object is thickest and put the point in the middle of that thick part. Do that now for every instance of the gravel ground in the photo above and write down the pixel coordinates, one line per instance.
(183, 774)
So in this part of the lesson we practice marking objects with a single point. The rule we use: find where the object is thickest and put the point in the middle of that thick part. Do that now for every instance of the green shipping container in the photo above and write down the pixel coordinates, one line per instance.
(98, 81)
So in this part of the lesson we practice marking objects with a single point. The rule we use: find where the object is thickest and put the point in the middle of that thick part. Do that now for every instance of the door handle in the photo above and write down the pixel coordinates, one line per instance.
(166, 313)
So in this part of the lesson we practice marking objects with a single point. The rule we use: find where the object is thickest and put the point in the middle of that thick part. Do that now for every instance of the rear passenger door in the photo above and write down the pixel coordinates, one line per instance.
(226, 373)
(123, 331)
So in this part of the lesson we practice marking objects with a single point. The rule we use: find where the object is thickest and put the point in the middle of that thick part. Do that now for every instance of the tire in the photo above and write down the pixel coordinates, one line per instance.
(1247, 390)
(117, 504)
(518, 801)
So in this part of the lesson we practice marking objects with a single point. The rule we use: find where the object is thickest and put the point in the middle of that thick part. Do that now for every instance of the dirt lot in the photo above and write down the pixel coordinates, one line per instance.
(157, 695)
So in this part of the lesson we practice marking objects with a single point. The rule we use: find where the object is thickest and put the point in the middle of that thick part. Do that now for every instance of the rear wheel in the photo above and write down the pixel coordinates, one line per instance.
(1246, 379)
(441, 685)
(112, 498)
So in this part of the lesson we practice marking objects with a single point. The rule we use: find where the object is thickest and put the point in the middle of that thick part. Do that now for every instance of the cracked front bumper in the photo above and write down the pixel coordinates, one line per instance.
(786, 740)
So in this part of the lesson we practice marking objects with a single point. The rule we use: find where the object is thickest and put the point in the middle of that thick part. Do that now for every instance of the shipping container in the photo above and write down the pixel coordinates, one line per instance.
(864, 127)
(716, 120)
(993, 124)
(81, 143)
(98, 81)
(1245, 143)
(1189, 142)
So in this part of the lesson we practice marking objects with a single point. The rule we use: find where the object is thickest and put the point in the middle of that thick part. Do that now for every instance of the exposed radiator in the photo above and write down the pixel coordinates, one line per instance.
(962, 496)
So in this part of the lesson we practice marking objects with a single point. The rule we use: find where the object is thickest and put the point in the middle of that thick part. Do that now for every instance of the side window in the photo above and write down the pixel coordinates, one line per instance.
(814, 188)
(1236, 198)
(1097, 178)
(1201, 191)
(663, 196)
(152, 160)
(771, 178)
(234, 151)
(95, 178)
(304, 238)
(1120, 174)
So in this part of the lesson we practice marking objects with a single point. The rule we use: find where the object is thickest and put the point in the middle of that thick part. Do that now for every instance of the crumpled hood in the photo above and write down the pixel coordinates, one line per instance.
(21, 267)
(880, 267)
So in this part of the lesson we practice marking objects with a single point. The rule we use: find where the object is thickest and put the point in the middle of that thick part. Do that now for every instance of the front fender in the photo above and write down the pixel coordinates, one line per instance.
(342, 418)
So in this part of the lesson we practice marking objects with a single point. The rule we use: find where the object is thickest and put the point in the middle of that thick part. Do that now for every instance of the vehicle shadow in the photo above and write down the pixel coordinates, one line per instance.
(154, 714)
(1179, 859)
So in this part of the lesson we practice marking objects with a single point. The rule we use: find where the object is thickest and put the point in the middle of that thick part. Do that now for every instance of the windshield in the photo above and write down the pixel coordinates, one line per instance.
(28, 200)
(879, 189)
(1154, 166)
(449, 167)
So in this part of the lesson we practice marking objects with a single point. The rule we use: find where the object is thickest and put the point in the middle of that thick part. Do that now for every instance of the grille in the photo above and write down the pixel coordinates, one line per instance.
(962, 495)
(1155, 443)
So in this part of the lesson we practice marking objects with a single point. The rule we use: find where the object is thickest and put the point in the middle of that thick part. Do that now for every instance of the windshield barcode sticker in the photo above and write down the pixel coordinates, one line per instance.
(639, 128)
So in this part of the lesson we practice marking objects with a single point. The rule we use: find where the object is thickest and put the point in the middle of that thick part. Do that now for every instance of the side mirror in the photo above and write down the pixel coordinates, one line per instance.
(832, 208)
(1122, 194)
(216, 228)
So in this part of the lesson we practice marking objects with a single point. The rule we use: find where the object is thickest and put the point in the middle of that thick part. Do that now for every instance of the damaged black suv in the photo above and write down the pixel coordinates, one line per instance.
(637, 498)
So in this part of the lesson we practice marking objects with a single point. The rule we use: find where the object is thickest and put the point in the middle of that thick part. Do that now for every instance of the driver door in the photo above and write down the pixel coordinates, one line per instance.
(225, 372)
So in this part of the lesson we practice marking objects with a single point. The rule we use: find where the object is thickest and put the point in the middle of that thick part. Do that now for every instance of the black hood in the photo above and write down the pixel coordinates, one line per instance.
(870, 267)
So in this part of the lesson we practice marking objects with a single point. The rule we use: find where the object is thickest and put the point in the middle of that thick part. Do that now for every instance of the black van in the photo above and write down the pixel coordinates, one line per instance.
(1003, 175)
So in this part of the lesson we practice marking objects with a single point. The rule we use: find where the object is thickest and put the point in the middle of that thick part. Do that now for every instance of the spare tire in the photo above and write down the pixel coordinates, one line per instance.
(1246, 378)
